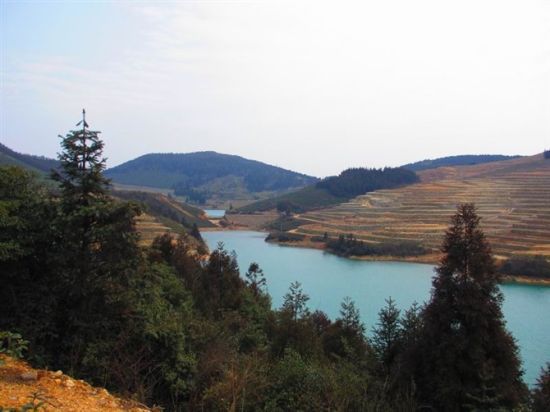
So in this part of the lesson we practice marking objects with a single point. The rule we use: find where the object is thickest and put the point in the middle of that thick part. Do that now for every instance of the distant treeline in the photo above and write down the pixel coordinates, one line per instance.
(357, 181)
(335, 189)
(522, 265)
(349, 245)
(182, 171)
(461, 160)
(547, 154)
(41, 163)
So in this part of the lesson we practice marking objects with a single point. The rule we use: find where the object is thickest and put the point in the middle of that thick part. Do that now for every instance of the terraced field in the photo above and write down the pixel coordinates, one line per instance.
(512, 197)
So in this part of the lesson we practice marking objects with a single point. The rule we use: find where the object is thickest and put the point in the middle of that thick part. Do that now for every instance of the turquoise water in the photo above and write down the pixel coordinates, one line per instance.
(214, 213)
(327, 279)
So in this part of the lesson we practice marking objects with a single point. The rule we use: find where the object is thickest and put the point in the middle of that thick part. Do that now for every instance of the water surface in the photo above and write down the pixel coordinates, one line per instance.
(327, 279)
(214, 213)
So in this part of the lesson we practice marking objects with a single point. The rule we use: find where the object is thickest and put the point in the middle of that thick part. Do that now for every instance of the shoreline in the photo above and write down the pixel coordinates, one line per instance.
(432, 258)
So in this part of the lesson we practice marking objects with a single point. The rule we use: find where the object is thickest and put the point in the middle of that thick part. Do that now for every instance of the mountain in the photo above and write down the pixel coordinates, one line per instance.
(512, 198)
(461, 160)
(335, 189)
(203, 176)
(39, 164)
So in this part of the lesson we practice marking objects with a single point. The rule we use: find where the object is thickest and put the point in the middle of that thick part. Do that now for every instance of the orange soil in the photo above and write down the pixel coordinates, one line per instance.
(54, 391)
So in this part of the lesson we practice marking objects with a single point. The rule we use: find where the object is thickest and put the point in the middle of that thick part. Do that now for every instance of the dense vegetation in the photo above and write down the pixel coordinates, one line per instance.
(196, 174)
(334, 190)
(547, 154)
(523, 265)
(165, 207)
(38, 164)
(302, 200)
(348, 245)
(461, 160)
(168, 328)
(358, 181)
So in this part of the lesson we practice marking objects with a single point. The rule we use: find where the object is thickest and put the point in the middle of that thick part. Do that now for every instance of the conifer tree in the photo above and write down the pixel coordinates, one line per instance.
(469, 358)
(97, 243)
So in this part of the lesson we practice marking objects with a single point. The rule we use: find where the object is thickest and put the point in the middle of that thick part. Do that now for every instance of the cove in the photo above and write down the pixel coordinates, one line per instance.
(327, 279)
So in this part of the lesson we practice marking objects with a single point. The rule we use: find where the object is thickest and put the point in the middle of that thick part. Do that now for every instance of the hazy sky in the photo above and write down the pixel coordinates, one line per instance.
(311, 86)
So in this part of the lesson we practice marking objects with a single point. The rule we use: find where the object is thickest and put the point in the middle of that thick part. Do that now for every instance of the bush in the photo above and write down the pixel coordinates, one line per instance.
(12, 344)
(532, 266)
(350, 246)
(284, 237)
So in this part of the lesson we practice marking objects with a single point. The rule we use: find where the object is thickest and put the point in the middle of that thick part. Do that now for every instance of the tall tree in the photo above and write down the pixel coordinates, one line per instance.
(469, 359)
(97, 243)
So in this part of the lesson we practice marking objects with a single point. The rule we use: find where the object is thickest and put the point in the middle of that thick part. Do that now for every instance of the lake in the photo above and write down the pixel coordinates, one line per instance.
(327, 279)
(214, 213)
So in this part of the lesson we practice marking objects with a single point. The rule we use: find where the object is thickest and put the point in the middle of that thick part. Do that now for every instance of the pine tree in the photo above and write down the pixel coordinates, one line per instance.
(387, 336)
(97, 244)
(295, 301)
(469, 359)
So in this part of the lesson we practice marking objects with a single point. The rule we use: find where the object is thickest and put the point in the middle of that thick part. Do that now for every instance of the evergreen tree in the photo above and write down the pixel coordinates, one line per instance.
(541, 393)
(195, 232)
(387, 336)
(255, 279)
(97, 246)
(469, 359)
(295, 301)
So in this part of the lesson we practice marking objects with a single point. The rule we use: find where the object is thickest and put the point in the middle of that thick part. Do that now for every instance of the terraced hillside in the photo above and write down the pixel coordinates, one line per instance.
(512, 197)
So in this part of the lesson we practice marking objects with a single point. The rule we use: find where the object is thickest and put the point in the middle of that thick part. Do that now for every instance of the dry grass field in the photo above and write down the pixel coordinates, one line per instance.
(512, 197)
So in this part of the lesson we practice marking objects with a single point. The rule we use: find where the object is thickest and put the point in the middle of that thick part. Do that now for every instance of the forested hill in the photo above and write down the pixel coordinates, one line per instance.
(39, 164)
(336, 189)
(461, 160)
(205, 173)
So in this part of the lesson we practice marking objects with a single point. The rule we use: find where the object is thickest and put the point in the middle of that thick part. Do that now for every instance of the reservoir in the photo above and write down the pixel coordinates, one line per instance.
(214, 213)
(327, 279)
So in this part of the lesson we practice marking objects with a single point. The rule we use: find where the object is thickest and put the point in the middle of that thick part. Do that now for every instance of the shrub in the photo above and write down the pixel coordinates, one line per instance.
(533, 266)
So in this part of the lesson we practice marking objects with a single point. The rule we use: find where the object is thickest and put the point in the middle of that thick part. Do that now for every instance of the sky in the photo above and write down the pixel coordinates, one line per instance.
(311, 86)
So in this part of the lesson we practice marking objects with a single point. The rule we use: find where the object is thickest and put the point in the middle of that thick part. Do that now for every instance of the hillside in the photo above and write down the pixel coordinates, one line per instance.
(208, 176)
(39, 164)
(512, 197)
(334, 190)
(460, 160)
(26, 389)
(163, 214)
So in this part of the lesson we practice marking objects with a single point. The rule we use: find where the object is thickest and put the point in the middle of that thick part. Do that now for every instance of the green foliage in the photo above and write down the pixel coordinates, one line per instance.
(295, 301)
(532, 266)
(164, 326)
(12, 344)
(191, 171)
(302, 200)
(541, 392)
(348, 245)
(38, 164)
(387, 334)
(358, 181)
(467, 356)
(162, 206)
(284, 237)
(461, 160)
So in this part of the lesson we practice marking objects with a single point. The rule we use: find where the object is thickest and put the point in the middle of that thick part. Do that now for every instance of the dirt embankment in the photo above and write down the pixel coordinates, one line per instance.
(22, 387)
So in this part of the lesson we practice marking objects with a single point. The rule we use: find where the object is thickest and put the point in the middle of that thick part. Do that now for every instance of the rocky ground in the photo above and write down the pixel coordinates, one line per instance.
(24, 388)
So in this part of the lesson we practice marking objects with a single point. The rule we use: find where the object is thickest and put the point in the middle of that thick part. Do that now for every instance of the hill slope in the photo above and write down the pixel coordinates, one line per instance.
(26, 389)
(39, 164)
(163, 214)
(461, 160)
(203, 175)
(335, 189)
(512, 197)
